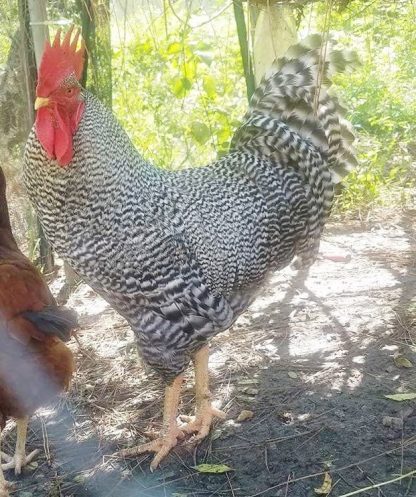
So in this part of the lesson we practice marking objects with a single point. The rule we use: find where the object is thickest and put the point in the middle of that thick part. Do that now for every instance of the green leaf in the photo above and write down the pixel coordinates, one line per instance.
(80, 479)
(223, 134)
(210, 86)
(181, 86)
(212, 468)
(175, 48)
(400, 397)
(200, 132)
(190, 69)
(402, 362)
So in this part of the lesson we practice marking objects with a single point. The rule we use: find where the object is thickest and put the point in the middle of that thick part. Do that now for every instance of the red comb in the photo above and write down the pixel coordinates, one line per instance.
(62, 55)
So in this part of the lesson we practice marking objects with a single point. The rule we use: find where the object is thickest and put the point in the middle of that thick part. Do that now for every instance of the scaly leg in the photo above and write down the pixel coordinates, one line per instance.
(204, 412)
(20, 458)
(170, 432)
(4, 485)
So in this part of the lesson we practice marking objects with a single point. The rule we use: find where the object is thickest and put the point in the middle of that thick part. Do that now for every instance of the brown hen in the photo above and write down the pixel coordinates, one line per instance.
(35, 364)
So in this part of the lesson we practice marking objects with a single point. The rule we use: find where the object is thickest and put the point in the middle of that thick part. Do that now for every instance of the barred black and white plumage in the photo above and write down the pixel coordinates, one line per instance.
(182, 254)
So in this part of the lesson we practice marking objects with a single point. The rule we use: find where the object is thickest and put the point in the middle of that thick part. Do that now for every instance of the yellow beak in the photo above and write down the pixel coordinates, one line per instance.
(41, 102)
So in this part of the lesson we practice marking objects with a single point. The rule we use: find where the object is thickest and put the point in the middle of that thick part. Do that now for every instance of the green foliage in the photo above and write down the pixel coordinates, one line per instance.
(381, 98)
(9, 22)
(180, 94)
(179, 89)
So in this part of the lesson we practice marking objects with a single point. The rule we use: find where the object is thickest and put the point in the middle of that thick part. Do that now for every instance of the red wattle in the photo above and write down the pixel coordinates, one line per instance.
(45, 130)
(55, 129)
(63, 138)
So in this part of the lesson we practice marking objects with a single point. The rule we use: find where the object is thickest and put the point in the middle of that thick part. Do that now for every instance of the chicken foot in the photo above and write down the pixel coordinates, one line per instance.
(170, 431)
(4, 484)
(20, 458)
(204, 412)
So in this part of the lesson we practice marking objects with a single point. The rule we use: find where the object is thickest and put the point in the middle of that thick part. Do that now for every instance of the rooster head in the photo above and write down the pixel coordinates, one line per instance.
(59, 103)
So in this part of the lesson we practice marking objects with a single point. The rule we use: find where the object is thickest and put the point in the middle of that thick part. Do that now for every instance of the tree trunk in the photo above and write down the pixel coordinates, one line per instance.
(244, 46)
(34, 33)
(40, 31)
(96, 31)
(275, 32)
(28, 60)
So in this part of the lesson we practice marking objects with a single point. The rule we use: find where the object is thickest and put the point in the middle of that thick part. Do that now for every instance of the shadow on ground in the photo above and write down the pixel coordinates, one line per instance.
(312, 359)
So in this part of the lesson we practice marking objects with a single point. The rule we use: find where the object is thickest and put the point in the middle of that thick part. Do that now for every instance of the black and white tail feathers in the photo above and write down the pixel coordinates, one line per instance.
(296, 122)
(54, 321)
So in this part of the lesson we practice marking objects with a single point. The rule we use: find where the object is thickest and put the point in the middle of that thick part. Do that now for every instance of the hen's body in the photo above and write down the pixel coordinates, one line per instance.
(34, 368)
(35, 365)
(182, 254)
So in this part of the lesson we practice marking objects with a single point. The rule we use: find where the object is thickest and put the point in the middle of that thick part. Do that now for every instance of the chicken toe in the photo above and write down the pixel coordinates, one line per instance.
(20, 459)
(5, 457)
(201, 423)
(5, 486)
(161, 446)
(205, 412)
(170, 431)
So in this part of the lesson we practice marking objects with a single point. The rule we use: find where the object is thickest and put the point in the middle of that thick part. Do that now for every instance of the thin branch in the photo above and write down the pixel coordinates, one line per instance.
(174, 12)
(214, 16)
(378, 485)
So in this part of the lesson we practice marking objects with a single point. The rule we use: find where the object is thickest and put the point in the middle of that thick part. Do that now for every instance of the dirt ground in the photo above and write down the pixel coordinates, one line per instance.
(312, 359)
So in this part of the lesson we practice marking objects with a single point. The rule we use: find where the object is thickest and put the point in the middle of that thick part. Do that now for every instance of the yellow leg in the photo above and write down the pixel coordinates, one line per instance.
(4, 485)
(205, 412)
(170, 432)
(20, 458)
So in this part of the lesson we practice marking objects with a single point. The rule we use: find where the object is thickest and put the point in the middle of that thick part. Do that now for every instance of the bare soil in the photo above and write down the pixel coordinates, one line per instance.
(312, 359)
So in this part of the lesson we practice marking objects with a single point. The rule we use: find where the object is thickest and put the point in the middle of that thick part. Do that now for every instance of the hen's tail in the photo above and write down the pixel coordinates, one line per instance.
(296, 122)
(54, 321)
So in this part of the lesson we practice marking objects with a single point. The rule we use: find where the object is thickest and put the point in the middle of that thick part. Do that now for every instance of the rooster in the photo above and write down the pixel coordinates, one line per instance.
(35, 364)
(182, 254)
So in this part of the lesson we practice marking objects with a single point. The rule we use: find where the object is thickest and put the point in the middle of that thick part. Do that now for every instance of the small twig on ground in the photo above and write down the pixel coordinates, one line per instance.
(333, 486)
(402, 451)
(194, 455)
(287, 484)
(378, 485)
(218, 491)
(181, 461)
(230, 485)
(268, 441)
(45, 441)
(410, 442)
(372, 481)
(266, 461)
(310, 438)
(347, 482)
(408, 487)
(81, 349)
